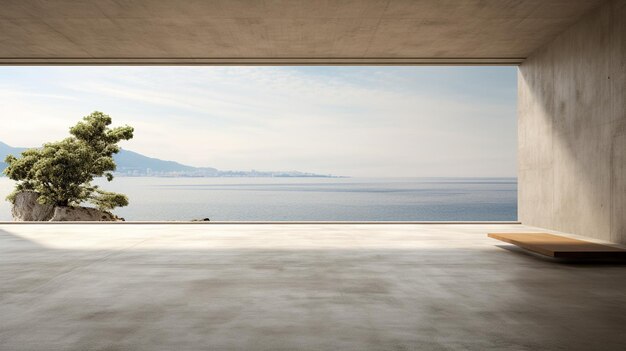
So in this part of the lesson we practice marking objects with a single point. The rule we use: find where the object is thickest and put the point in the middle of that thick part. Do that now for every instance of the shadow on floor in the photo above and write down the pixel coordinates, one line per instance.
(569, 261)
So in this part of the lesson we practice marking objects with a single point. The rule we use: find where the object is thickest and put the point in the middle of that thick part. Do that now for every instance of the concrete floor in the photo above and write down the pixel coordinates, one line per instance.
(298, 287)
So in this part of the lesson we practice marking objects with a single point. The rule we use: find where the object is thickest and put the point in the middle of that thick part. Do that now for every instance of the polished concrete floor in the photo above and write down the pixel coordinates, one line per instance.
(298, 287)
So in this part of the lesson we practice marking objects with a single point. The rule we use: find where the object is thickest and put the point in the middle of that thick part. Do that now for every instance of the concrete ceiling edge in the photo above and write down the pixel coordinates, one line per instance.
(9, 61)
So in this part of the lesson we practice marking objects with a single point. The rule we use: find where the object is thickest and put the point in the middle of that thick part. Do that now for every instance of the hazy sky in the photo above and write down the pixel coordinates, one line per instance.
(355, 121)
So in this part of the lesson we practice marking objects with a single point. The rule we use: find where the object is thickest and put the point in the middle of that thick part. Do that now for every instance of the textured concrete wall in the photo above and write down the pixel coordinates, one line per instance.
(572, 129)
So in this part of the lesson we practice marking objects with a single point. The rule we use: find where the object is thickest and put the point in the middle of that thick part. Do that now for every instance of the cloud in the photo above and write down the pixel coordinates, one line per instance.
(369, 121)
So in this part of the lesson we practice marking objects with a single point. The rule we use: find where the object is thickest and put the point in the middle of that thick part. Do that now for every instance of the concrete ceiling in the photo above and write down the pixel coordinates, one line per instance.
(280, 31)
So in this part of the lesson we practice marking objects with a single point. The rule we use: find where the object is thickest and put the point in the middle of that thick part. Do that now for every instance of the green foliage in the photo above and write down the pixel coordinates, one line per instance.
(62, 171)
(105, 200)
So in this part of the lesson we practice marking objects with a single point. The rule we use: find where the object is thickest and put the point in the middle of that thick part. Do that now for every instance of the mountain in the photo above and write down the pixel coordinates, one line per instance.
(9, 150)
(6, 150)
(133, 164)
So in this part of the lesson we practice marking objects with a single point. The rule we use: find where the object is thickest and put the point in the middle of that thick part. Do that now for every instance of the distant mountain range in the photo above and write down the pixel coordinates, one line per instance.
(133, 164)
(8, 150)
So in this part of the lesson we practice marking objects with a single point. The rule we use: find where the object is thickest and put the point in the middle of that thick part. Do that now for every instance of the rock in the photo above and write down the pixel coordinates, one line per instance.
(201, 220)
(26, 208)
(82, 214)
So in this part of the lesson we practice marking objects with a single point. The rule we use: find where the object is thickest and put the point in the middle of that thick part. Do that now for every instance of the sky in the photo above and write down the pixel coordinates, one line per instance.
(359, 121)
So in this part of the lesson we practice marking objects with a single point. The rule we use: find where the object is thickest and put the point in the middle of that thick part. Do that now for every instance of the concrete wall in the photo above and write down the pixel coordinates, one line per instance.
(572, 129)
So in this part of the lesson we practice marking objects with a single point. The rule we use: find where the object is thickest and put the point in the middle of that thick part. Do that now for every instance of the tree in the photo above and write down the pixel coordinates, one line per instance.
(61, 172)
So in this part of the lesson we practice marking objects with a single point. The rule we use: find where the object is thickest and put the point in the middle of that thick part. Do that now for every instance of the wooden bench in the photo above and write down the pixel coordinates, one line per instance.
(559, 246)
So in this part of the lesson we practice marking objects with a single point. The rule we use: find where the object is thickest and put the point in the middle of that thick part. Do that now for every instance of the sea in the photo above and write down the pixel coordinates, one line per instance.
(309, 199)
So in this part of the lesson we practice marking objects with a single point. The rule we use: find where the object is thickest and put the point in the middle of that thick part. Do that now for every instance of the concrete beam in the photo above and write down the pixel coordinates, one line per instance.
(281, 31)
(260, 61)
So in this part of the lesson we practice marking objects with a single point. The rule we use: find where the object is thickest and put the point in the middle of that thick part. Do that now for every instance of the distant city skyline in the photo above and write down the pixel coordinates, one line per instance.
(378, 121)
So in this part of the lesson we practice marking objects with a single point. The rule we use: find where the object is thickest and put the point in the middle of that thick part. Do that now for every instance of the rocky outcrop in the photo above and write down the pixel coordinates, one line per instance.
(26, 208)
(82, 214)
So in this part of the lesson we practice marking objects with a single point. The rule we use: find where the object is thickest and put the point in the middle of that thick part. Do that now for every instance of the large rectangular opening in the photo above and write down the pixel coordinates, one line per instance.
(285, 143)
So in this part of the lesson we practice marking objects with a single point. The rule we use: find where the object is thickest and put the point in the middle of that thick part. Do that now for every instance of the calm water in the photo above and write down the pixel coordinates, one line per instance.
(290, 199)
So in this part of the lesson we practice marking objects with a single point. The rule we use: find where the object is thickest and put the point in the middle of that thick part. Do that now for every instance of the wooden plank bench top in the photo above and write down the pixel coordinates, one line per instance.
(559, 246)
